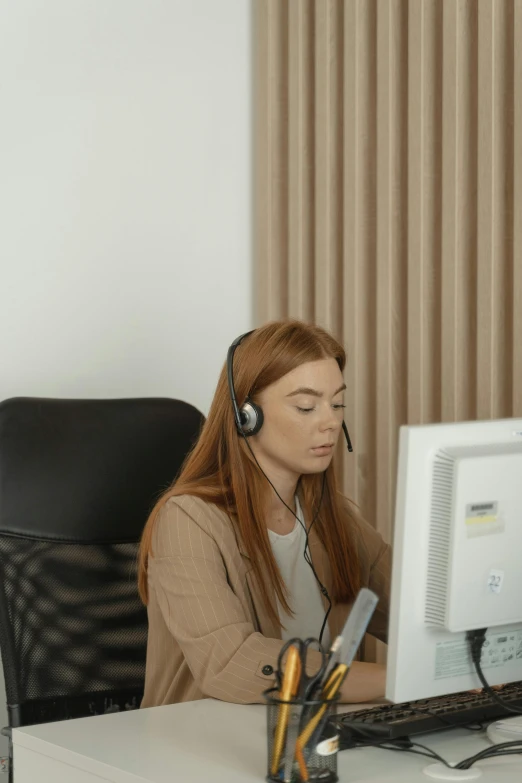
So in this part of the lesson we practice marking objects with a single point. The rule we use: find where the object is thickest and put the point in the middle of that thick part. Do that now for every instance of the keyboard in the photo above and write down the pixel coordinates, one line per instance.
(391, 721)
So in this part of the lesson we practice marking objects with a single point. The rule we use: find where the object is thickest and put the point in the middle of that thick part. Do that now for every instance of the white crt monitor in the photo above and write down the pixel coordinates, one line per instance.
(457, 558)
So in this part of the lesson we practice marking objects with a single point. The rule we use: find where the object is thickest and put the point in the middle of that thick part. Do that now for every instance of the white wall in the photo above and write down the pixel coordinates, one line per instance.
(125, 203)
(125, 241)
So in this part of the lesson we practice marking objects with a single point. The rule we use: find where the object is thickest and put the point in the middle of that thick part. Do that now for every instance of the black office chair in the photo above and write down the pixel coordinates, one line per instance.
(77, 481)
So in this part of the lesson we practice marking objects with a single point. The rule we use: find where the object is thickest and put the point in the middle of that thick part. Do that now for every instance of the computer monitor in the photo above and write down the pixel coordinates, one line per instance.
(457, 558)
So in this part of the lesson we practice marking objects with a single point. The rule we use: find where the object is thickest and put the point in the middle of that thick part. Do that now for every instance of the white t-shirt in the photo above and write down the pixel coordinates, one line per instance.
(304, 596)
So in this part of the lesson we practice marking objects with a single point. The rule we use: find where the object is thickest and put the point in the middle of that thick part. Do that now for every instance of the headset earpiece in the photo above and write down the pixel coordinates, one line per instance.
(252, 418)
(249, 419)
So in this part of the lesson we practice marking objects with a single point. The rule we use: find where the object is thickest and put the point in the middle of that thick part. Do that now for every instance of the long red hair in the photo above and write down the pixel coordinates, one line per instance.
(220, 468)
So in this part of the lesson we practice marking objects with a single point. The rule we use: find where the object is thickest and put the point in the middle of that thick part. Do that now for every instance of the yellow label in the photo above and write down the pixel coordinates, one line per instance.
(481, 520)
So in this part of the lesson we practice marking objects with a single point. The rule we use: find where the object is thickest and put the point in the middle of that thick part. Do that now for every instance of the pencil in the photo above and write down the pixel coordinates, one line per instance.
(289, 688)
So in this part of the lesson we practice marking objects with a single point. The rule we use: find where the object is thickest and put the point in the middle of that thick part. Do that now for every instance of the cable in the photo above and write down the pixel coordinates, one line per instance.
(476, 641)
(308, 558)
(306, 552)
(503, 749)
(430, 755)
(405, 745)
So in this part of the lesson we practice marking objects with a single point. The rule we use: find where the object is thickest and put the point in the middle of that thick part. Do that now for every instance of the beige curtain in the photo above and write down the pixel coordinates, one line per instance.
(388, 208)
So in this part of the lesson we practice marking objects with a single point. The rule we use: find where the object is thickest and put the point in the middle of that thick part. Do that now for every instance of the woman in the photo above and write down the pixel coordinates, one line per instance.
(222, 567)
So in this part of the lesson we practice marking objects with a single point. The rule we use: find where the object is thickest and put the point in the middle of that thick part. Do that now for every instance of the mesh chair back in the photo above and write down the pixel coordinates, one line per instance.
(77, 481)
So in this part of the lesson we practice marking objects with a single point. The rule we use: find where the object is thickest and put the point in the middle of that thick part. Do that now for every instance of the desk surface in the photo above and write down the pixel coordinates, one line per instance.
(213, 741)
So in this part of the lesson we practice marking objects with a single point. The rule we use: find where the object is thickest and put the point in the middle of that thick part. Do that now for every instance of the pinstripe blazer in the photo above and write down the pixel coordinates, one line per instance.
(209, 633)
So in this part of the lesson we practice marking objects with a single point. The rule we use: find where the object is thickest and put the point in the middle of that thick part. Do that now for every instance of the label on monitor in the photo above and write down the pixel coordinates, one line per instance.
(452, 658)
(482, 519)
(495, 581)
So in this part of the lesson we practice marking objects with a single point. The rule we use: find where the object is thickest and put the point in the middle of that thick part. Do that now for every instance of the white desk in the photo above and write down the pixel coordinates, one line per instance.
(208, 742)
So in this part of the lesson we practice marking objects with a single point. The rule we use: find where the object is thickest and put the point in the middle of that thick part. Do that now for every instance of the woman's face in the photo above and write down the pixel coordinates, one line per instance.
(303, 414)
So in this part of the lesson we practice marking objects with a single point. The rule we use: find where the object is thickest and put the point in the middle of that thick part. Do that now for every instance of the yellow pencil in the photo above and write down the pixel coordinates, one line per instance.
(289, 689)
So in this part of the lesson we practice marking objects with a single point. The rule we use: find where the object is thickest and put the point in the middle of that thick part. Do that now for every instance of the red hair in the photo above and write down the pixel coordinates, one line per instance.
(220, 468)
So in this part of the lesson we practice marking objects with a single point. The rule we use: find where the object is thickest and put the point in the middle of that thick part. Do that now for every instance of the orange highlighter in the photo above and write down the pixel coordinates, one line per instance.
(288, 691)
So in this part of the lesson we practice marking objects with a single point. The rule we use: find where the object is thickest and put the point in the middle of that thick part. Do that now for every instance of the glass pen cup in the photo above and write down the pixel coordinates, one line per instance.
(313, 756)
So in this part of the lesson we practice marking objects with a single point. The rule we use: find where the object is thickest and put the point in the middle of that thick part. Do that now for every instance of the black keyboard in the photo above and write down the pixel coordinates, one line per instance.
(391, 721)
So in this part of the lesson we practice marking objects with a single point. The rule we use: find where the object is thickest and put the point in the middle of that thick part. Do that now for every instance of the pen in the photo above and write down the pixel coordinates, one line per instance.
(289, 689)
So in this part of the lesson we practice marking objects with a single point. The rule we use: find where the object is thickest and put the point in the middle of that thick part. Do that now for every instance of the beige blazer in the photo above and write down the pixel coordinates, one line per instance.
(209, 634)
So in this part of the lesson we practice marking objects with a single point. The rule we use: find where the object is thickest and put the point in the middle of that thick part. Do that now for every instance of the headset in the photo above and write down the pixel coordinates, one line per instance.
(249, 420)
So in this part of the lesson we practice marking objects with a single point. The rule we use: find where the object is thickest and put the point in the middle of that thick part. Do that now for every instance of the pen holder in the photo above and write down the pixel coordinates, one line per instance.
(314, 755)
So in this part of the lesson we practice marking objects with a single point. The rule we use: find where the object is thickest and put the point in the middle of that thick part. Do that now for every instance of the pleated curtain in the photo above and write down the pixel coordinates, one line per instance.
(388, 208)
